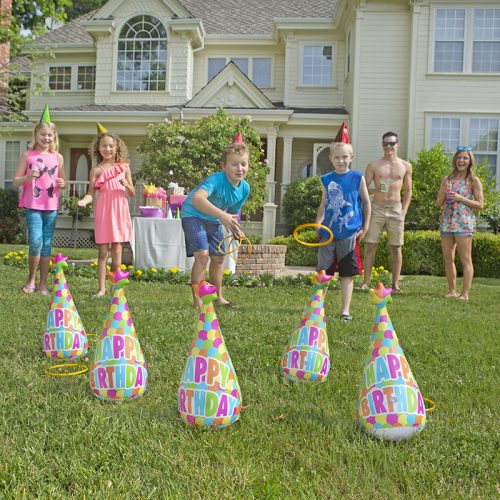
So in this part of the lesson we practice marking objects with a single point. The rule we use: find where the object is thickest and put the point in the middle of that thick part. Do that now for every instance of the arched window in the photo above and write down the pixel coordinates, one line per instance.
(142, 55)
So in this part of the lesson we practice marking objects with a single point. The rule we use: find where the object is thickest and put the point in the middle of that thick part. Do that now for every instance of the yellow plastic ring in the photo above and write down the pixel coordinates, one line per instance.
(246, 256)
(321, 243)
(51, 373)
(228, 252)
(432, 406)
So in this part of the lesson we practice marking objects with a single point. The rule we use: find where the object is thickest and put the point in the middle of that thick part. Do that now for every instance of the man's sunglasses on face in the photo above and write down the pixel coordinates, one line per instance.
(387, 144)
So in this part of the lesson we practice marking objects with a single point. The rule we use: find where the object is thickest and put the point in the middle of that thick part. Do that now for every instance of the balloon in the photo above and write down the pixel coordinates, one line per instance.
(307, 355)
(64, 337)
(118, 369)
(390, 405)
(209, 394)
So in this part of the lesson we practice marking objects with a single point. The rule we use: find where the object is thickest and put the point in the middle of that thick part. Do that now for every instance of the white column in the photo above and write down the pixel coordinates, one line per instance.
(287, 170)
(269, 222)
(272, 134)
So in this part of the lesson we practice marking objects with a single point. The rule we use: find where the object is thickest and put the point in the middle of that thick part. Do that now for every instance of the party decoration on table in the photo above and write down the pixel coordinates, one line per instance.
(297, 230)
(64, 337)
(390, 405)
(45, 118)
(155, 197)
(343, 134)
(307, 355)
(209, 394)
(233, 246)
(118, 368)
(100, 129)
(174, 189)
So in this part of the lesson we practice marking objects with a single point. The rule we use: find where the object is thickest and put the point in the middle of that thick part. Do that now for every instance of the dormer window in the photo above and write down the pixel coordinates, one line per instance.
(142, 55)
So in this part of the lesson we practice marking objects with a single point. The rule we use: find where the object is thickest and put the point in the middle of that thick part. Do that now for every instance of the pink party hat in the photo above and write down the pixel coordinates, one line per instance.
(307, 355)
(238, 139)
(118, 369)
(209, 394)
(64, 337)
(390, 405)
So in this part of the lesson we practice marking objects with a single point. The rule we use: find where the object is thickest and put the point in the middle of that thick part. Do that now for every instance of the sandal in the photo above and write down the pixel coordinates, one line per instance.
(346, 317)
(44, 292)
(28, 289)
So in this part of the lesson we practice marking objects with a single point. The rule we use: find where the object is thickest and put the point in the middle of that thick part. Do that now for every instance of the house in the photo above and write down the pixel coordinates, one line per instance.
(428, 69)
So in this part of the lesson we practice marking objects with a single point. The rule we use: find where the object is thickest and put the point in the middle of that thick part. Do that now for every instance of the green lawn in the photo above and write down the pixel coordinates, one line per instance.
(291, 441)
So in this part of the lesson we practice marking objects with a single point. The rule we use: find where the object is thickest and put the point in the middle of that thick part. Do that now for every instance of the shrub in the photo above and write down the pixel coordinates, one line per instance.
(301, 201)
(421, 253)
(12, 229)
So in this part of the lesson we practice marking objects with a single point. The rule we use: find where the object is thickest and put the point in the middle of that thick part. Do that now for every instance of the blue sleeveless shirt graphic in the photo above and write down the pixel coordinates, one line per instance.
(343, 207)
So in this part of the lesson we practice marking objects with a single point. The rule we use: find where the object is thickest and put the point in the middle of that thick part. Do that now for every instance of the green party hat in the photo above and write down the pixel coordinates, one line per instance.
(45, 118)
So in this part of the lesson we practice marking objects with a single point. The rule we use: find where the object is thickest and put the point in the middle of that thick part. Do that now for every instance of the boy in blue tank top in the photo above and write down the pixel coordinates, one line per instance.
(209, 206)
(345, 208)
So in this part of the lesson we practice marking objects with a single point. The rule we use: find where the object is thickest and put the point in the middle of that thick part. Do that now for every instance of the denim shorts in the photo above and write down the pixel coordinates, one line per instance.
(41, 225)
(200, 234)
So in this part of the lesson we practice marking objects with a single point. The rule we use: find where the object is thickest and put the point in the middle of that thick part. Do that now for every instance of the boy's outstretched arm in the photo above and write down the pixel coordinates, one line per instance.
(229, 221)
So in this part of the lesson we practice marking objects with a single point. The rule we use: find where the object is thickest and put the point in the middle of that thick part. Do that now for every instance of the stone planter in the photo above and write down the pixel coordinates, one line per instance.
(264, 259)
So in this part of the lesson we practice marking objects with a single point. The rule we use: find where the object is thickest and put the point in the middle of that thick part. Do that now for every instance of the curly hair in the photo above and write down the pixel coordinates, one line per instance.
(239, 149)
(121, 148)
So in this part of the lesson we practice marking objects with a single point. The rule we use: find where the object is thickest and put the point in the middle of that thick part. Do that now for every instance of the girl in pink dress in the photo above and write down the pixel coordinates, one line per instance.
(112, 224)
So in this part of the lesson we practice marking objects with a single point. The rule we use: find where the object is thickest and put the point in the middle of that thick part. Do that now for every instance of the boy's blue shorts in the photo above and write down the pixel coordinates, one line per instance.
(200, 234)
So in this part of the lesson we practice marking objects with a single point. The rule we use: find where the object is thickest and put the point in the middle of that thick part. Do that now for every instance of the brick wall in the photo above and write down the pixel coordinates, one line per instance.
(263, 259)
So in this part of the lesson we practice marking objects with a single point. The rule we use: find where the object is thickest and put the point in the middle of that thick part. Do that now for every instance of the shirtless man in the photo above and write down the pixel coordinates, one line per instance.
(389, 174)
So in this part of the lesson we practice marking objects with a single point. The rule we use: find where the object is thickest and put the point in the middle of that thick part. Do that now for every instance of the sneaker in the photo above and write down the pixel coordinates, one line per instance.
(346, 317)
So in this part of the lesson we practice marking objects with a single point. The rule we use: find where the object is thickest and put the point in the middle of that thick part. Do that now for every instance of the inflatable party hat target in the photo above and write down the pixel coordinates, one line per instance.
(209, 394)
(118, 369)
(64, 337)
(390, 405)
(307, 356)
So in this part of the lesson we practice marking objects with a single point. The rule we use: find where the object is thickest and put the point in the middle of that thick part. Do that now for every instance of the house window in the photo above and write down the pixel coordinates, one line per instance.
(317, 65)
(486, 41)
(72, 77)
(447, 131)
(60, 78)
(480, 133)
(86, 78)
(258, 69)
(467, 40)
(12, 154)
(142, 55)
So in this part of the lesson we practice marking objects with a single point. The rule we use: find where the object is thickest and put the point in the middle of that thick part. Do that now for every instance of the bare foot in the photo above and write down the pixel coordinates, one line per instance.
(463, 297)
(197, 304)
(99, 295)
(451, 295)
(222, 302)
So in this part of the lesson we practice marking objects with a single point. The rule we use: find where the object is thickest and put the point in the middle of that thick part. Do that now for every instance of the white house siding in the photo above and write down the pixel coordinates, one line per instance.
(383, 78)
(59, 98)
(454, 95)
(308, 96)
(211, 50)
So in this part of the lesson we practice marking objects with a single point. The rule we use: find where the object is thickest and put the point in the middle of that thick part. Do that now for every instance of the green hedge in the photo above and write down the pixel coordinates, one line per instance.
(421, 253)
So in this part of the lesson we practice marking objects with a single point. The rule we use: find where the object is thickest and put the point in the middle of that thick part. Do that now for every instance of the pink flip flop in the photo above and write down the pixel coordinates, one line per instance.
(28, 289)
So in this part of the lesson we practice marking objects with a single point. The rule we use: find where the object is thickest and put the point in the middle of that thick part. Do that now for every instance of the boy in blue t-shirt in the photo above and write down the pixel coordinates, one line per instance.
(210, 205)
(345, 208)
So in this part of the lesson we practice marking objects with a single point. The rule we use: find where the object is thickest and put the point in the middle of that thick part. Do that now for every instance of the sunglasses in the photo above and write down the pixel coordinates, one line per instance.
(464, 148)
(386, 144)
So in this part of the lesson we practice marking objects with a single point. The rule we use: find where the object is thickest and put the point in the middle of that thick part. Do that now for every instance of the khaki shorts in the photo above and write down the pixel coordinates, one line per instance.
(390, 218)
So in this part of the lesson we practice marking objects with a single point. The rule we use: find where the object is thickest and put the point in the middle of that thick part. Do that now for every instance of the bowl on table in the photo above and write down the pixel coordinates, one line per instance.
(151, 212)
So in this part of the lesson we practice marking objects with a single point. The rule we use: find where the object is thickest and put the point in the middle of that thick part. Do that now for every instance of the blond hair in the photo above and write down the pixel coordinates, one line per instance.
(121, 155)
(54, 145)
(239, 149)
(335, 145)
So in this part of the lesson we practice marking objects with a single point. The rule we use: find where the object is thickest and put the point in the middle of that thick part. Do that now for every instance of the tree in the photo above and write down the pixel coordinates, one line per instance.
(80, 8)
(186, 153)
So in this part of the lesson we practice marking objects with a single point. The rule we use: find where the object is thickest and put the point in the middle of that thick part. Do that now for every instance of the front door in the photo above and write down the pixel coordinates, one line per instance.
(79, 169)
